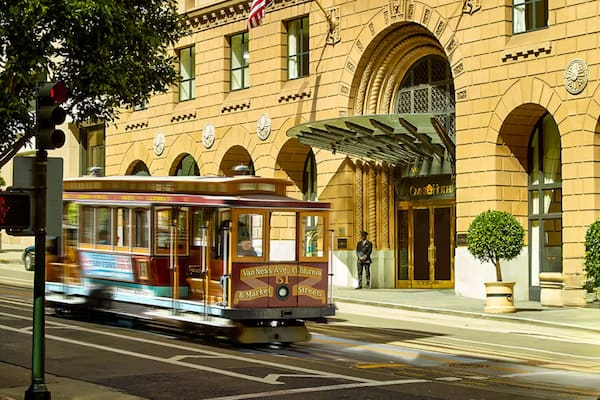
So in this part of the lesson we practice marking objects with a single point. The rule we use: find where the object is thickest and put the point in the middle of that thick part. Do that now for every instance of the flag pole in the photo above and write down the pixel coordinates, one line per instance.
(329, 21)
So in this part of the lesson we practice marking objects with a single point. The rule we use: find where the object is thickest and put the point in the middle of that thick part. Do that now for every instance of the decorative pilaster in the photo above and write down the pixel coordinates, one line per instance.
(385, 206)
(358, 199)
(372, 202)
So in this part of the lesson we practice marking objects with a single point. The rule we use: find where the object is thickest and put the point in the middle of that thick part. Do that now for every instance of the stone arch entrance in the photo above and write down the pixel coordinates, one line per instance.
(402, 157)
(412, 76)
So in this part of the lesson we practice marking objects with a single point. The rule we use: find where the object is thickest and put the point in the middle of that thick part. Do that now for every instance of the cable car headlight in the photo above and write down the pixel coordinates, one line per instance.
(283, 292)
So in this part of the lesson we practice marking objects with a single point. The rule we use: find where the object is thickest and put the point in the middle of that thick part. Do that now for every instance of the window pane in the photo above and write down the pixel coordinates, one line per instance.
(552, 251)
(541, 14)
(103, 226)
(186, 64)
(141, 228)
(519, 16)
(184, 92)
(313, 236)
(87, 232)
(293, 67)
(250, 235)
(236, 79)
(551, 148)
(282, 237)
(168, 235)
(236, 52)
(552, 201)
(123, 227)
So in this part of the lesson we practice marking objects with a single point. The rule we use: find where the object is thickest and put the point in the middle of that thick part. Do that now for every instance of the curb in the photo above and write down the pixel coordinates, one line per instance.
(466, 314)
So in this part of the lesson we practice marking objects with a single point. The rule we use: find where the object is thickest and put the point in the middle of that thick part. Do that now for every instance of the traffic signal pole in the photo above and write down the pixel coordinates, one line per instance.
(38, 389)
(50, 96)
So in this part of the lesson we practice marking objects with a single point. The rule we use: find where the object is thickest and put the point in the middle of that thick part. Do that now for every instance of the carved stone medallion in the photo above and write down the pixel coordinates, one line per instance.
(263, 126)
(159, 143)
(208, 135)
(576, 76)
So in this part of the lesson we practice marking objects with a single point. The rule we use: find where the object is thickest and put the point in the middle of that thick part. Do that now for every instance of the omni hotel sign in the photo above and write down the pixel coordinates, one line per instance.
(434, 187)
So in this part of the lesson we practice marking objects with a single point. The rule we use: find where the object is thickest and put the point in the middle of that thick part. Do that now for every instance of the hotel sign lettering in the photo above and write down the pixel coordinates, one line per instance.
(431, 187)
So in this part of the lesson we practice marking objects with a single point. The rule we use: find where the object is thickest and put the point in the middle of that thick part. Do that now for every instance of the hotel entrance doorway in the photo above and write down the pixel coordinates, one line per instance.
(425, 245)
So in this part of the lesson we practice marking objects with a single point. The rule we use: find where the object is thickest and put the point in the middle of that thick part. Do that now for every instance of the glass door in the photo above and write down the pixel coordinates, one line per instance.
(425, 247)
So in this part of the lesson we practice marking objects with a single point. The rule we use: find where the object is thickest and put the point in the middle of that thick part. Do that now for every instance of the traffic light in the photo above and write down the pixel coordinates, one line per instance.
(49, 114)
(15, 211)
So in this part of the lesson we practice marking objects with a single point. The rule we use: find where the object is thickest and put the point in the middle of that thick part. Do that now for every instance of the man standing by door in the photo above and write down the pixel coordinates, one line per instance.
(363, 262)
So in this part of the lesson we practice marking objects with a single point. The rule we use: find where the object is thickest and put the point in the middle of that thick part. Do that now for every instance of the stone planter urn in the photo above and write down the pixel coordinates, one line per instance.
(499, 297)
(494, 236)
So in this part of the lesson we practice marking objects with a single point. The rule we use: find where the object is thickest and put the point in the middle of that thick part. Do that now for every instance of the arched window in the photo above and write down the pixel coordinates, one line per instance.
(140, 168)
(309, 179)
(428, 88)
(187, 167)
(545, 199)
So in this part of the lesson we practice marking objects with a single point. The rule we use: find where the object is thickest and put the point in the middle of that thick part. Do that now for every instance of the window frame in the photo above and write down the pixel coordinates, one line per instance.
(235, 235)
(301, 53)
(189, 82)
(323, 217)
(239, 54)
(525, 13)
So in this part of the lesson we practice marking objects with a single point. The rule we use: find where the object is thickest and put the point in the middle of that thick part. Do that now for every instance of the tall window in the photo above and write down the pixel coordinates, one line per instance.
(310, 178)
(92, 149)
(298, 49)
(545, 199)
(240, 75)
(529, 15)
(187, 73)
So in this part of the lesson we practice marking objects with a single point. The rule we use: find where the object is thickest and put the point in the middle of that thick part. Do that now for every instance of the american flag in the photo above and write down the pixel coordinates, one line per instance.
(257, 12)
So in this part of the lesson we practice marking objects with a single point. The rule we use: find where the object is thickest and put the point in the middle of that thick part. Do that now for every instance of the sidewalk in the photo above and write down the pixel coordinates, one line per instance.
(445, 301)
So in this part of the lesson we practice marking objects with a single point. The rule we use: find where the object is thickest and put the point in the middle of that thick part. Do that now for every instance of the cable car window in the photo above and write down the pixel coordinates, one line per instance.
(123, 227)
(313, 236)
(87, 224)
(282, 236)
(250, 235)
(171, 228)
(103, 226)
(141, 228)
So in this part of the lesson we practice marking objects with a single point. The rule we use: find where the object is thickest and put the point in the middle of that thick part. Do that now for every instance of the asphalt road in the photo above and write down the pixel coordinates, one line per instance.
(363, 353)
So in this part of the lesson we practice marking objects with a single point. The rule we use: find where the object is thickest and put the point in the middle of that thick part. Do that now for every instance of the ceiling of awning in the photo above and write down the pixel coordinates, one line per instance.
(398, 139)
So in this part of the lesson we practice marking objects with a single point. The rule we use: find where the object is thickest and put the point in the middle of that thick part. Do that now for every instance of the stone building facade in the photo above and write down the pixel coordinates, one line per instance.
(410, 117)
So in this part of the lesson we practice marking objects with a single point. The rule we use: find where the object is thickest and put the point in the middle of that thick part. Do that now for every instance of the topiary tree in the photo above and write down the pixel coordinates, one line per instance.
(592, 255)
(493, 236)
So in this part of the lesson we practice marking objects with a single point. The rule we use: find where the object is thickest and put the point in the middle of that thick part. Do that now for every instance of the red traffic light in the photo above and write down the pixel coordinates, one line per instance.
(58, 93)
(49, 114)
(15, 210)
(53, 93)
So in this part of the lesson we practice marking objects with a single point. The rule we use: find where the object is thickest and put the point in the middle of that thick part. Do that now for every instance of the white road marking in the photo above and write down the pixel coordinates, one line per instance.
(177, 359)
(319, 389)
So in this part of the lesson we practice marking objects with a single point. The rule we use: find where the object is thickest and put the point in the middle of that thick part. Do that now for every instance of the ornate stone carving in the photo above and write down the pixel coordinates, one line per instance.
(471, 6)
(159, 143)
(576, 76)
(263, 126)
(208, 135)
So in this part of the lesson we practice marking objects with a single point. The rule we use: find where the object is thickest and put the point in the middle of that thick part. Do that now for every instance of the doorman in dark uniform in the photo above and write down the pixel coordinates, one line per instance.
(364, 248)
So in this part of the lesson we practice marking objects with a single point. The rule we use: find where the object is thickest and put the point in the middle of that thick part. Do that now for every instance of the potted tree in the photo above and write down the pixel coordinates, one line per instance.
(493, 236)
(591, 263)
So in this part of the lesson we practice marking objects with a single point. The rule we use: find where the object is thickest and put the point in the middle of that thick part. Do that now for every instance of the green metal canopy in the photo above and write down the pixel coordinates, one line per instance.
(418, 141)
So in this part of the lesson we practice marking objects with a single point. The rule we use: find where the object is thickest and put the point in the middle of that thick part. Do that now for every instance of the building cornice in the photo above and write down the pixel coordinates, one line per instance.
(226, 12)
